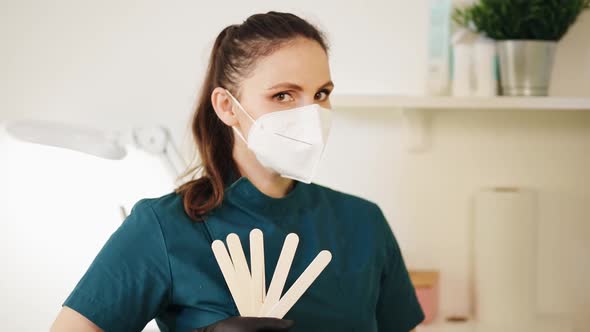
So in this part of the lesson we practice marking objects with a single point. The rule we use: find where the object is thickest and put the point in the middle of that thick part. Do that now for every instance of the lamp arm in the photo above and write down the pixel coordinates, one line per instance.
(158, 140)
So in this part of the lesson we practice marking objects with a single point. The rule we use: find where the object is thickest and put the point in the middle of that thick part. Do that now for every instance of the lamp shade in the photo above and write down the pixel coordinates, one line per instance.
(86, 140)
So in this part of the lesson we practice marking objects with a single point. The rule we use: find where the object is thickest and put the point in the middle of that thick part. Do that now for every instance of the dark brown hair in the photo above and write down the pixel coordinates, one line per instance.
(234, 53)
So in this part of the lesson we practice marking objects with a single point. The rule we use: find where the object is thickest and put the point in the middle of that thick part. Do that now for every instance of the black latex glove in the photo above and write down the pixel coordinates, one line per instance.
(248, 324)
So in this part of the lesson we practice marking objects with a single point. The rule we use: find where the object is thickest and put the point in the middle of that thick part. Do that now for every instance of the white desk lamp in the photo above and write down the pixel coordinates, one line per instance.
(155, 140)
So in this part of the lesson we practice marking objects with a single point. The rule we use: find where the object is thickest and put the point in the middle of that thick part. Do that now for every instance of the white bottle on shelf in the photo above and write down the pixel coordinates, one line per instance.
(439, 36)
(461, 77)
(462, 74)
(486, 80)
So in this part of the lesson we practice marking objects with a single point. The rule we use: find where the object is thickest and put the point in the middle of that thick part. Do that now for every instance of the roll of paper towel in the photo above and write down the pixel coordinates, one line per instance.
(504, 253)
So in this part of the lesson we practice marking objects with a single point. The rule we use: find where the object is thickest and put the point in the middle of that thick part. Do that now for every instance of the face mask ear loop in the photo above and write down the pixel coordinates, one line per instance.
(243, 110)
(240, 135)
(239, 105)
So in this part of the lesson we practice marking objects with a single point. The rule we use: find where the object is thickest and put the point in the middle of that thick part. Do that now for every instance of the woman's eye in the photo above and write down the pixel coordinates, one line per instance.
(326, 94)
(283, 97)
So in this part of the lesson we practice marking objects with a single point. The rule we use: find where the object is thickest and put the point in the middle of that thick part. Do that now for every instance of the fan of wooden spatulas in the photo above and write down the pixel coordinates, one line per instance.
(248, 285)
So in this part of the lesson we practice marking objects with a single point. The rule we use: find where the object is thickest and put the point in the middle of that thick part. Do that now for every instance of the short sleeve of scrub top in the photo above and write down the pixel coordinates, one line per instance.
(159, 263)
(129, 281)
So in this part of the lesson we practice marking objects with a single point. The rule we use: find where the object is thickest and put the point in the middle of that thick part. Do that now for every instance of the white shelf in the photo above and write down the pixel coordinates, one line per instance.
(441, 103)
(415, 110)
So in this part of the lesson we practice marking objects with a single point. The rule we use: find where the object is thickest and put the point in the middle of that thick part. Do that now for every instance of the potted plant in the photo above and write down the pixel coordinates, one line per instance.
(527, 32)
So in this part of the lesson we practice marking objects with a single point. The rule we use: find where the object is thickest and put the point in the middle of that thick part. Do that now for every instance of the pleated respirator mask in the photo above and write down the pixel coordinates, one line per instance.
(290, 142)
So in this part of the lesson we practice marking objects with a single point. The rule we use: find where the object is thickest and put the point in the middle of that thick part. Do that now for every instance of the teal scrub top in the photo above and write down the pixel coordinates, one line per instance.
(159, 264)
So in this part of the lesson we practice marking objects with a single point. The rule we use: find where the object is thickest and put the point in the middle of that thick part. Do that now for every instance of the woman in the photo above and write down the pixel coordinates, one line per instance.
(261, 123)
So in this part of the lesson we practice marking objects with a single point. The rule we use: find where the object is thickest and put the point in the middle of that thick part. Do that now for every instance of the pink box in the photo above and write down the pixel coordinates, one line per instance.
(427, 289)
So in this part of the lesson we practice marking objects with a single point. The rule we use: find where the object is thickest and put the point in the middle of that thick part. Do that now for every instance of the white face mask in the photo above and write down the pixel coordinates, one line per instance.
(290, 142)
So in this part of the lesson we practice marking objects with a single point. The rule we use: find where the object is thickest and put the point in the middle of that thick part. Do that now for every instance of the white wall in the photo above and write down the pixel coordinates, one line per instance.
(118, 64)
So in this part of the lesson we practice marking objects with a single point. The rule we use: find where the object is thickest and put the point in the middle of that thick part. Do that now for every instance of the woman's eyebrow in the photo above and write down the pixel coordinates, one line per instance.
(329, 84)
(293, 86)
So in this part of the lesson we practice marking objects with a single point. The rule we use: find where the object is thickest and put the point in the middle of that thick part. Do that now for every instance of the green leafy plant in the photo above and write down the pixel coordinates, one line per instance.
(521, 19)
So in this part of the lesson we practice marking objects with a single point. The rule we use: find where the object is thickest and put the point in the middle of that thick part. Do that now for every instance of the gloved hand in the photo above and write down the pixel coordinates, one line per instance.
(248, 324)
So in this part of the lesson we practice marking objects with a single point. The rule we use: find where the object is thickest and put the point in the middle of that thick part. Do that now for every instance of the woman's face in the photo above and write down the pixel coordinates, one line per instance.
(295, 75)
